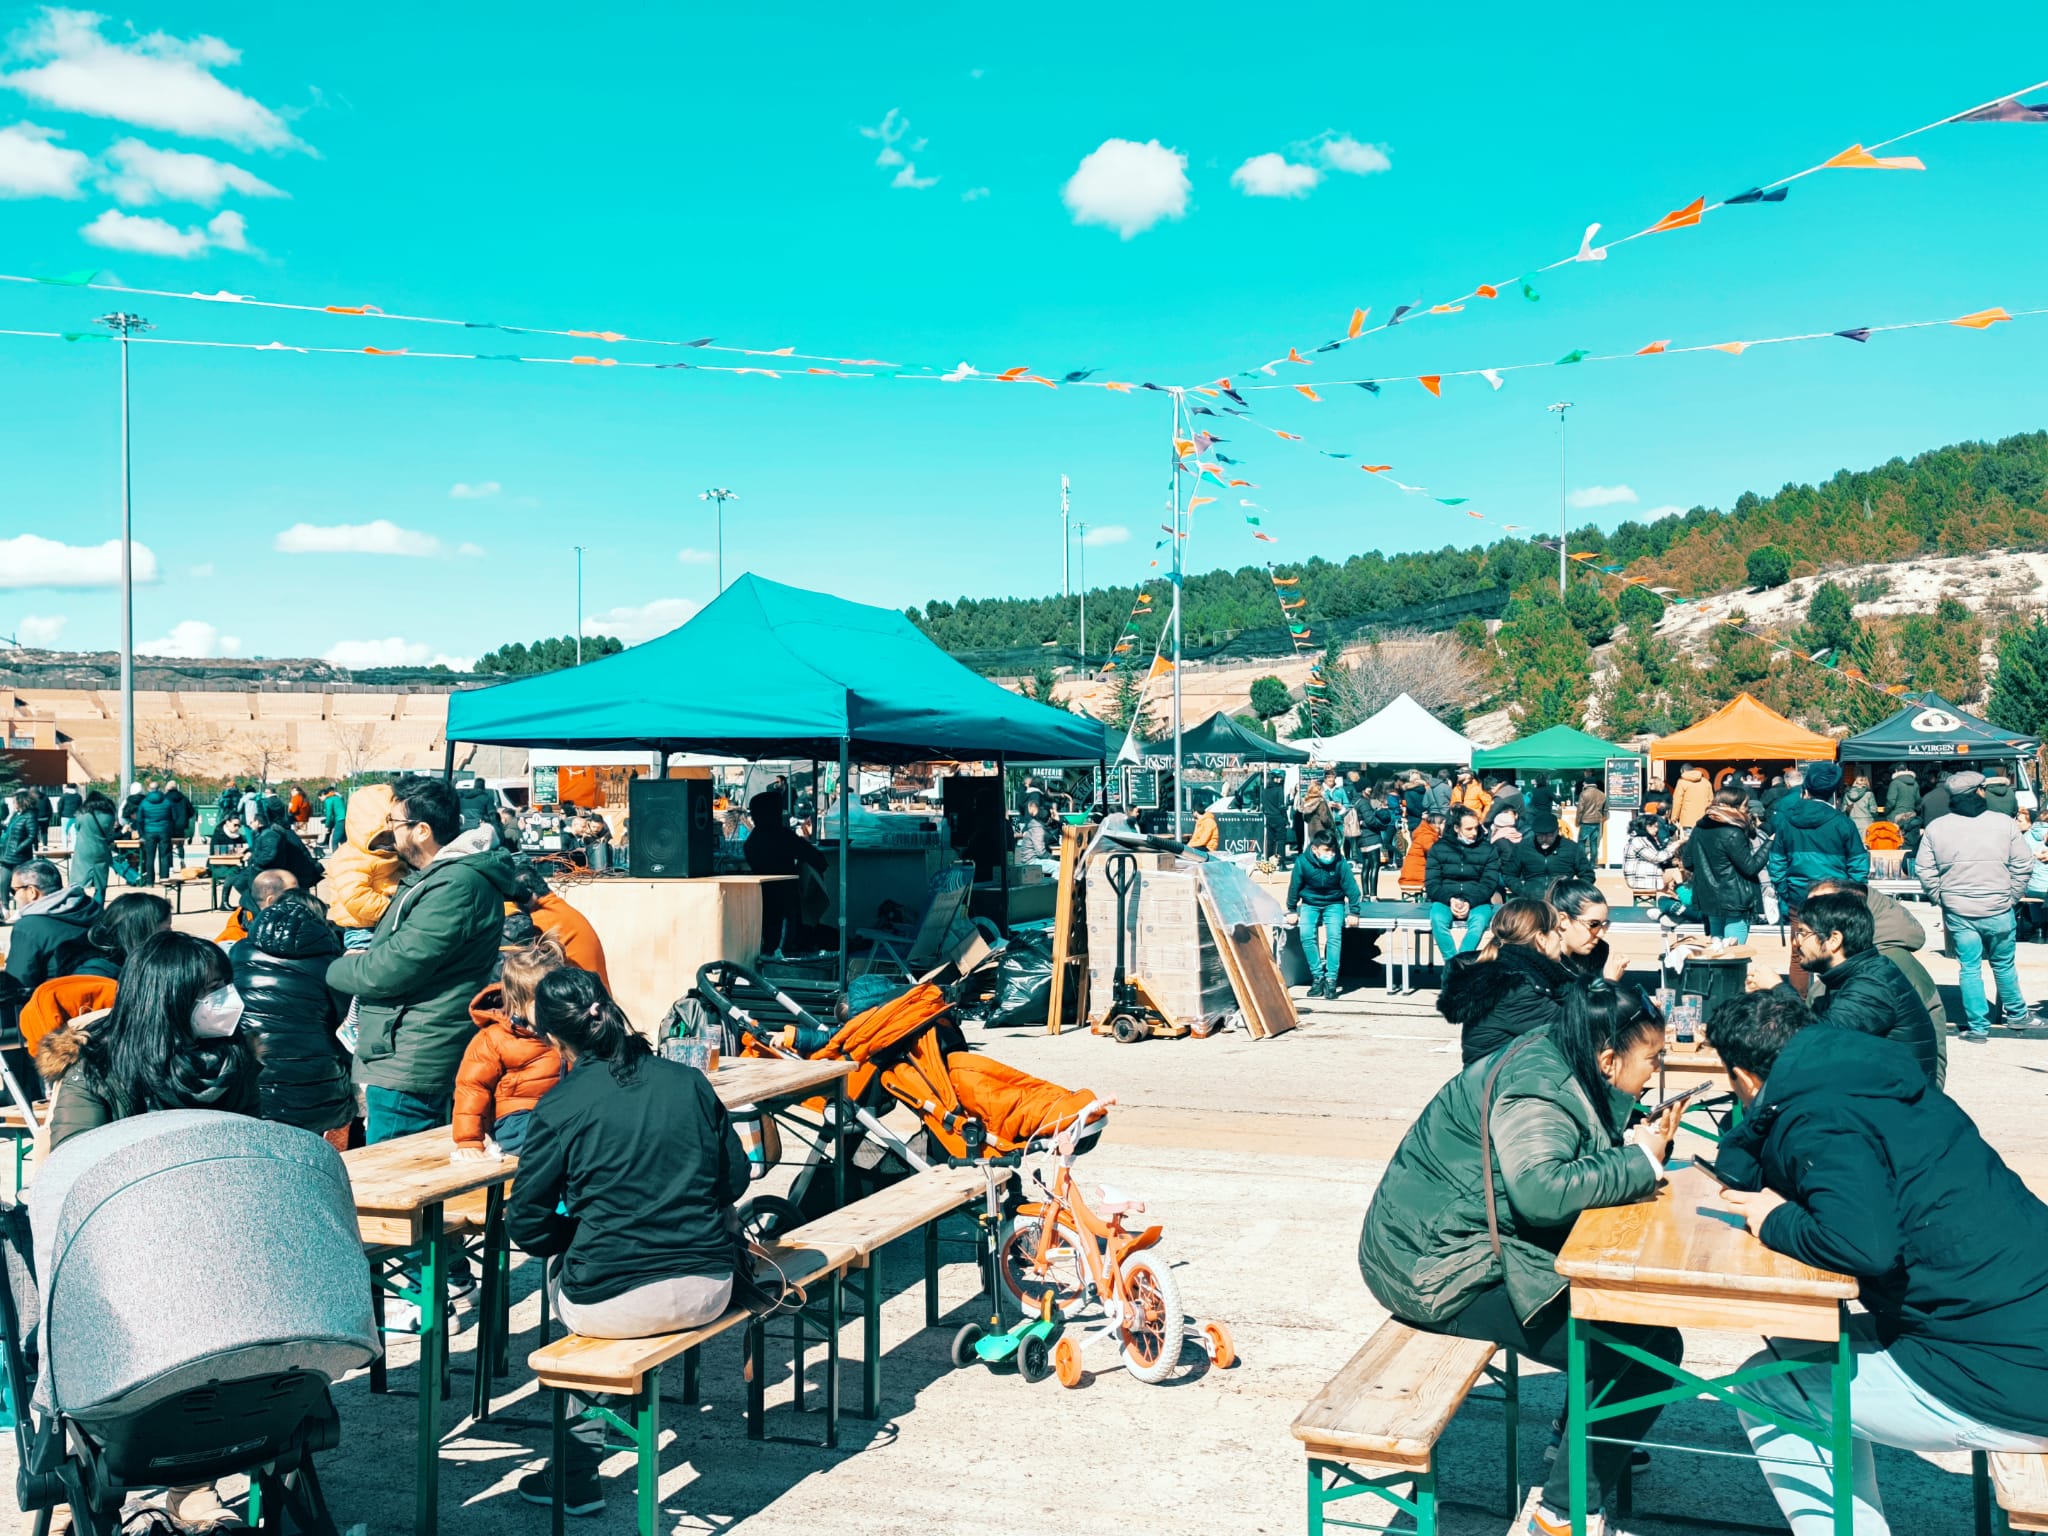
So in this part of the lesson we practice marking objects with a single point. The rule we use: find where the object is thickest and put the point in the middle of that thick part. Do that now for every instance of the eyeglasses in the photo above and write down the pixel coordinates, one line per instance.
(401, 821)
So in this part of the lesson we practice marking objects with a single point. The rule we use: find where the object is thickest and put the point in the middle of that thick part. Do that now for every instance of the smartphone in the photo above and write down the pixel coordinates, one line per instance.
(1677, 1098)
(1706, 1165)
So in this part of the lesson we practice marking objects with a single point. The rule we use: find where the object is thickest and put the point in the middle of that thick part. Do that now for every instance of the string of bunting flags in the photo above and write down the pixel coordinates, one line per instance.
(2004, 108)
(1293, 613)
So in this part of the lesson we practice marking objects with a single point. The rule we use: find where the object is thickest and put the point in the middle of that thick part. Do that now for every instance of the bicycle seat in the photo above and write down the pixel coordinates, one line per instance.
(1111, 1203)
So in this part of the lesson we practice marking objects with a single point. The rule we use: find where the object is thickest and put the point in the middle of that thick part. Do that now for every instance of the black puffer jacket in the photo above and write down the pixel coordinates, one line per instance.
(1494, 1001)
(1870, 993)
(1529, 869)
(1724, 869)
(1887, 1180)
(289, 1015)
(1462, 871)
(278, 847)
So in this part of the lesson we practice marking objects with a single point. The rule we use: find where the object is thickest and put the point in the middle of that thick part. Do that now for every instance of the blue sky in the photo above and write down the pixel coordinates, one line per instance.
(690, 171)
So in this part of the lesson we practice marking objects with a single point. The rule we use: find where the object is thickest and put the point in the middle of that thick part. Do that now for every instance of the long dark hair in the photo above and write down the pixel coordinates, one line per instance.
(1603, 1019)
(144, 1056)
(1572, 895)
(572, 1006)
(127, 923)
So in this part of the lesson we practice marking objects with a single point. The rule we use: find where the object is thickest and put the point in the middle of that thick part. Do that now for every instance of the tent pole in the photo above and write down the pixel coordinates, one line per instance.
(448, 761)
(1179, 542)
(1003, 797)
(845, 850)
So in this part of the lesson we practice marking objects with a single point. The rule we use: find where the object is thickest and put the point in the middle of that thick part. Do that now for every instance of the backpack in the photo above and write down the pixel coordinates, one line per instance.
(1353, 827)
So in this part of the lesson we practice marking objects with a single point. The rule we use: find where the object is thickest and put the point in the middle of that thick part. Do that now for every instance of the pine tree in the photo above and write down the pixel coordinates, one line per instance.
(2019, 694)
(1639, 608)
(1543, 661)
(1592, 615)
(1269, 697)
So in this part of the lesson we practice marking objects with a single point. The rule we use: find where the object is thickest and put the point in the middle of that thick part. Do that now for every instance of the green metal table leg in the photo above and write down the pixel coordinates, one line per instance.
(560, 1427)
(757, 1378)
(1980, 1492)
(433, 1308)
(871, 1359)
(839, 1118)
(832, 1368)
(1511, 1410)
(497, 1248)
(931, 1274)
(1315, 1497)
(1575, 1420)
(647, 1443)
(1843, 1450)
(689, 1377)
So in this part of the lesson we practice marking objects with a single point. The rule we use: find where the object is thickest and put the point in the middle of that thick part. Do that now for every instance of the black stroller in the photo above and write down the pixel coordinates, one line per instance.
(202, 1285)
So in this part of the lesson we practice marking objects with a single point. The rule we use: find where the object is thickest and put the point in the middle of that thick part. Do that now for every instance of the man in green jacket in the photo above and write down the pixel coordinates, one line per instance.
(430, 954)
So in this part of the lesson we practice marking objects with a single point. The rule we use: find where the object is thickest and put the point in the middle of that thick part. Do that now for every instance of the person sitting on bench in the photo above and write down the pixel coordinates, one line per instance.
(1849, 1160)
(1463, 1234)
(640, 1155)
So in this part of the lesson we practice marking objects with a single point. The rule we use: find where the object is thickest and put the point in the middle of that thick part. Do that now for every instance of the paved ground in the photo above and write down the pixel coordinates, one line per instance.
(1259, 1158)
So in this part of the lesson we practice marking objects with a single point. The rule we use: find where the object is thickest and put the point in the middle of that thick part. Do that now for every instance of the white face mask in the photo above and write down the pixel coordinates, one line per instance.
(217, 1015)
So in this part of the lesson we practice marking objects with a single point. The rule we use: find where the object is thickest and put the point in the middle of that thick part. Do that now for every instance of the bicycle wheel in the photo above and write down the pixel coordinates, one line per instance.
(1153, 1323)
(1024, 1282)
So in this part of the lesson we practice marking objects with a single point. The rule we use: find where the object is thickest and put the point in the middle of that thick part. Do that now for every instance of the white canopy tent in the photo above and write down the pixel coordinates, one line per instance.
(1403, 732)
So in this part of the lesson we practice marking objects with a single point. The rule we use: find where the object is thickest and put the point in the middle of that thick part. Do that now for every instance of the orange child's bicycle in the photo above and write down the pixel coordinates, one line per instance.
(1091, 1262)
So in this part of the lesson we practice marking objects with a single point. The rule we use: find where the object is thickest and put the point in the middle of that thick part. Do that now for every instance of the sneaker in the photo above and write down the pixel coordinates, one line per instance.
(581, 1495)
(1975, 1036)
(1535, 1520)
(197, 1508)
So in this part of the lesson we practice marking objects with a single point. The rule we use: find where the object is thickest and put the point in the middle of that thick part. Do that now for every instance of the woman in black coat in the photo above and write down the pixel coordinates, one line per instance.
(290, 1014)
(277, 846)
(1510, 986)
(1725, 857)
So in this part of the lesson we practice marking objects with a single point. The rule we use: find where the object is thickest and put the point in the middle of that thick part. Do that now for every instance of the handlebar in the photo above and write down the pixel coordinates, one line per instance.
(1065, 1141)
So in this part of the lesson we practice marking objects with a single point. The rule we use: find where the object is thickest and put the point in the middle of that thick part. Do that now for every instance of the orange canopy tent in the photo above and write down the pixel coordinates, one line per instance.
(1742, 729)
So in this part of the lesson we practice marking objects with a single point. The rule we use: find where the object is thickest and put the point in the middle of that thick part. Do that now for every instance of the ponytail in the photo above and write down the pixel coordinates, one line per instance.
(572, 1006)
(1596, 1021)
(1522, 920)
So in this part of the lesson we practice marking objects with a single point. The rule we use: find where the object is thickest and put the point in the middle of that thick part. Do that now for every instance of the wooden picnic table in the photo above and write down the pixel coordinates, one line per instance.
(403, 1186)
(1685, 1260)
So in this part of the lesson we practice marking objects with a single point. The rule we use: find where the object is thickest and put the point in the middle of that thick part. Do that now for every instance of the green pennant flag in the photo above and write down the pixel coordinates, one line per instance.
(1531, 294)
(1572, 356)
(71, 279)
(88, 335)
(1453, 501)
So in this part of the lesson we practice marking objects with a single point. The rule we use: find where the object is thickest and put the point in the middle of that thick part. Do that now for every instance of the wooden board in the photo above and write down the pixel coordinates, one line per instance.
(1071, 839)
(763, 1080)
(1686, 1253)
(1254, 974)
(2022, 1484)
(1392, 1401)
(398, 1178)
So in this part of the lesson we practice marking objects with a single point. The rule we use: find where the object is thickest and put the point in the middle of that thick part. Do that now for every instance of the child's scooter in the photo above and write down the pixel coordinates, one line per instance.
(1030, 1343)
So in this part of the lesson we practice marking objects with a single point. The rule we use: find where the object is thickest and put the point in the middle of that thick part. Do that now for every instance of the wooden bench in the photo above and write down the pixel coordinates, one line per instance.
(2022, 1485)
(1374, 1426)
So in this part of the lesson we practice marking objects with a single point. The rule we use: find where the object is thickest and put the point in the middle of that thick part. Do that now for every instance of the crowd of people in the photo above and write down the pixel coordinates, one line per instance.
(1847, 1156)
(433, 980)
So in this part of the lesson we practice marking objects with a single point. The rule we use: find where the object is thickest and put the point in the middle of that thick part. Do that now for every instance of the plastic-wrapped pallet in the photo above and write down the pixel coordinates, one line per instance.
(1164, 943)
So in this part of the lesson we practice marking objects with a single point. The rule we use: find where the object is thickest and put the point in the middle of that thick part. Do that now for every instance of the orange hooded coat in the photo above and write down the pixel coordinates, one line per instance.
(361, 882)
(502, 1072)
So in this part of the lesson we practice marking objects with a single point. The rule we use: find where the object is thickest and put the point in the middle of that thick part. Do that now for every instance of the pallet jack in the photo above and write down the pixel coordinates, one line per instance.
(1131, 1016)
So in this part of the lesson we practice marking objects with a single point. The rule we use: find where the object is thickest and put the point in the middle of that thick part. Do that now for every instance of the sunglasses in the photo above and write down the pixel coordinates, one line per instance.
(1594, 924)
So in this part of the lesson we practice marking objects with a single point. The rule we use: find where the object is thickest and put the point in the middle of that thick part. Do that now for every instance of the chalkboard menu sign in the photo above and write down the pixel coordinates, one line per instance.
(1141, 789)
(1624, 783)
(547, 786)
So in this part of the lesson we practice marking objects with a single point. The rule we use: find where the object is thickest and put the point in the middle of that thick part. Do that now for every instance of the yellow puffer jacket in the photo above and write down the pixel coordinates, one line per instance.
(362, 882)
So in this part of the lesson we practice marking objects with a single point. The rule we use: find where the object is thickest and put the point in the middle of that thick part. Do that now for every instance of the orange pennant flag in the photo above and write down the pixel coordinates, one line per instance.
(1013, 373)
(1287, 607)
(1303, 389)
(1211, 393)
(1247, 484)
(1982, 320)
(1446, 309)
(603, 362)
(1480, 515)
(1183, 446)
(1655, 346)
(598, 335)
(1487, 291)
(1286, 581)
(1199, 501)
(1857, 158)
(387, 351)
(1292, 437)
(1434, 383)
(1375, 469)
(778, 352)
(1160, 667)
(1122, 389)
(1357, 323)
(1295, 357)
(1679, 218)
(352, 309)
(833, 373)
(1733, 348)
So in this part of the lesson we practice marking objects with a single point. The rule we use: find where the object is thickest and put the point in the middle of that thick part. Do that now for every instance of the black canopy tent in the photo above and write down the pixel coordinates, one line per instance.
(1220, 741)
(1931, 727)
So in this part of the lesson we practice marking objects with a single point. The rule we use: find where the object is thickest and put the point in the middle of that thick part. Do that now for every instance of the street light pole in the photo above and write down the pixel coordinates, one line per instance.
(579, 605)
(720, 495)
(125, 325)
(1081, 533)
(1066, 545)
(1563, 497)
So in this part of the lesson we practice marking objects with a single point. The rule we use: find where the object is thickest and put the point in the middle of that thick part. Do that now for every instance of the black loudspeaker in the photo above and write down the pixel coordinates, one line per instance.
(673, 832)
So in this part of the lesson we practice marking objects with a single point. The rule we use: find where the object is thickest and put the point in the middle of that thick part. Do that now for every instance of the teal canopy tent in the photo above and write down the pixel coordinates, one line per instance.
(1557, 750)
(1930, 726)
(766, 670)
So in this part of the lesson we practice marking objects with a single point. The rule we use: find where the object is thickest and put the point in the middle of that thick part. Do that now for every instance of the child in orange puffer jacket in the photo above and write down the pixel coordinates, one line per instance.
(507, 1067)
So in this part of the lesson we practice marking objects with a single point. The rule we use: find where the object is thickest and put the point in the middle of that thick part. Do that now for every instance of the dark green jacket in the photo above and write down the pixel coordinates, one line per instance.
(431, 953)
(1425, 1250)
(92, 844)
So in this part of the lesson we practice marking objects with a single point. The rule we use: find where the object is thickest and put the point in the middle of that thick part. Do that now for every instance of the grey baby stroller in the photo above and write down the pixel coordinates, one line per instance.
(202, 1284)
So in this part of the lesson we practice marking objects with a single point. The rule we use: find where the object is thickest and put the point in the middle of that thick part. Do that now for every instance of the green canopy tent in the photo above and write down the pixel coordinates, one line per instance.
(770, 670)
(1931, 727)
(1557, 750)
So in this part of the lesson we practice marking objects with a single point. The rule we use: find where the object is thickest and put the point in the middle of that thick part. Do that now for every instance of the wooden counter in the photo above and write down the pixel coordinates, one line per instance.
(656, 933)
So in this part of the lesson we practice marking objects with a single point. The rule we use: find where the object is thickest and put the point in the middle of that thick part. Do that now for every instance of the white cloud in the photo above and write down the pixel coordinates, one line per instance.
(193, 638)
(471, 551)
(1273, 175)
(29, 560)
(1341, 152)
(696, 557)
(1658, 514)
(644, 622)
(1110, 533)
(1128, 186)
(1602, 496)
(477, 492)
(382, 537)
(907, 178)
(139, 173)
(153, 81)
(890, 155)
(974, 194)
(394, 651)
(41, 631)
(118, 231)
(32, 164)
